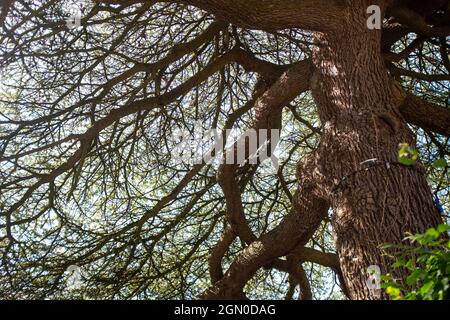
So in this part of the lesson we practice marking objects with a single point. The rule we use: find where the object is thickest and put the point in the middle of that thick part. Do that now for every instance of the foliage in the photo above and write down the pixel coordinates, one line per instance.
(427, 261)
(407, 155)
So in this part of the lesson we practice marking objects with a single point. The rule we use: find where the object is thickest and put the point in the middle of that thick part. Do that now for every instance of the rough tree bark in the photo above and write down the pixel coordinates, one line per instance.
(361, 121)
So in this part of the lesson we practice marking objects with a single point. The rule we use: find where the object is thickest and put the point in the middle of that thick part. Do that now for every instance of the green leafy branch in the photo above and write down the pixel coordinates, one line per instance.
(427, 262)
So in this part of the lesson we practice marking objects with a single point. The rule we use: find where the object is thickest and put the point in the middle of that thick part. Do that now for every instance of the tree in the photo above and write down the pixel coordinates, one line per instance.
(86, 149)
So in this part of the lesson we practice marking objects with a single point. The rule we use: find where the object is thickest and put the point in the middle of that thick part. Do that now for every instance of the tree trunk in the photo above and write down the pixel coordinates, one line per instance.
(361, 121)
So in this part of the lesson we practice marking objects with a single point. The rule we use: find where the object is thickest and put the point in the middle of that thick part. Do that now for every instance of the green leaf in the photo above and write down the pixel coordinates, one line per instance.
(394, 292)
(441, 163)
(447, 269)
(399, 263)
(432, 233)
(426, 288)
(405, 161)
(414, 277)
(443, 228)
(407, 155)
(428, 261)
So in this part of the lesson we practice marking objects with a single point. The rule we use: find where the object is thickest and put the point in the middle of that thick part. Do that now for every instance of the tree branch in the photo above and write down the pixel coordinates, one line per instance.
(416, 75)
(309, 209)
(419, 112)
(217, 254)
(426, 115)
(417, 22)
(270, 15)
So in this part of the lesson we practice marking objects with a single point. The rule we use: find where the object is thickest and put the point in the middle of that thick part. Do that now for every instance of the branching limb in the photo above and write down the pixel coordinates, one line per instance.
(269, 15)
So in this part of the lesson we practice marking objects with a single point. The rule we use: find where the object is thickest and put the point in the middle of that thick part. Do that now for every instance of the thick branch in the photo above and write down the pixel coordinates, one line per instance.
(426, 115)
(417, 22)
(419, 112)
(299, 275)
(268, 116)
(420, 76)
(295, 230)
(330, 260)
(217, 254)
(317, 15)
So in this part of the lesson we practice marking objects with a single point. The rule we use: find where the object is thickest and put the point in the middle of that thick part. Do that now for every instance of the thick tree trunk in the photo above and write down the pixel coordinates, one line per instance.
(360, 122)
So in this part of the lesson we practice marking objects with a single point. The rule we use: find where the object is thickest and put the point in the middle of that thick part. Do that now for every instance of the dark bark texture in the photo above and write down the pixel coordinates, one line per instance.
(361, 121)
